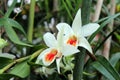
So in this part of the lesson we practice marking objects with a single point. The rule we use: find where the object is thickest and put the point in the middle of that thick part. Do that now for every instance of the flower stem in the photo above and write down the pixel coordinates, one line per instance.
(31, 20)
(79, 63)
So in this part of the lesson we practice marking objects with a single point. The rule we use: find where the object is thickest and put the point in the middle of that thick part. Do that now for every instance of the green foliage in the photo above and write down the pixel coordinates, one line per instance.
(8, 24)
(115, 58)
(21, 70)
(103, 25)
(17, 59)
(105, 68)
(4, 61)
(6, 76)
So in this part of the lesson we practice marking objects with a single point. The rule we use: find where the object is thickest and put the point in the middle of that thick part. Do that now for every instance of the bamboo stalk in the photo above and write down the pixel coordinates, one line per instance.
(31, 20)
(96, 16)
(97, 10)
(107, 44)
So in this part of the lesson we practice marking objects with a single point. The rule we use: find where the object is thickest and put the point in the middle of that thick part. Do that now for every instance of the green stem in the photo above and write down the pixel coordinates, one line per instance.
(31, 20)
(35, 54)
(11, 64)
(30, 57)
(47, 6)
(79, 63)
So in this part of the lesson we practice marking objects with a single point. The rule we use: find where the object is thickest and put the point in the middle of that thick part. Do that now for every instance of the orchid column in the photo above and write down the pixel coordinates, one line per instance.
(79, 64)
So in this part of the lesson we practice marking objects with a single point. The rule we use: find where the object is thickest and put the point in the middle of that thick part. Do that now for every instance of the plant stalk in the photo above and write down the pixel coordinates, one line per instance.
(29, 58)
(79, 58)
(107, 44)
(31, 20)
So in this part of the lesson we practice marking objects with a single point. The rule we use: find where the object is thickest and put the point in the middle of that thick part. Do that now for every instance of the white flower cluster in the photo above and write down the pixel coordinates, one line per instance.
(67, 42)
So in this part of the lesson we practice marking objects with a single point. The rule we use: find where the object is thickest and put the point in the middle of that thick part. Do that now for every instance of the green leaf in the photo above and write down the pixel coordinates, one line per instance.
(7, 21)
(103, 25)
(117, 36)
(7, 55)
(4, 61)
(105, 68)
(68, 11)
(22, 70)
(15, 24)
(102, 70)
(13, 36)
(69, 4)
(5, 76)
(115, 58)
(2, 21)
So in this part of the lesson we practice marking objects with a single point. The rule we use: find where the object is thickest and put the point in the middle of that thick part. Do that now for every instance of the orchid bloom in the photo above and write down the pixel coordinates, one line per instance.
(75, 35)
(56, 49)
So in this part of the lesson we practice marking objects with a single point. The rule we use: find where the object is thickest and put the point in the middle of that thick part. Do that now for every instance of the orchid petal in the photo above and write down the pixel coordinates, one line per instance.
(69, 50)
(64, 26)
(58, 64)
(42, 57)
(77, 22)
(50, 40)
(84, 43)
(89, 29)
(60, 38)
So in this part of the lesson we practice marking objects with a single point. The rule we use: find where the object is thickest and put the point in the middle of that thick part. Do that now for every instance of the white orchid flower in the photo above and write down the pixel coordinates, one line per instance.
(75, 35)
(56, 49)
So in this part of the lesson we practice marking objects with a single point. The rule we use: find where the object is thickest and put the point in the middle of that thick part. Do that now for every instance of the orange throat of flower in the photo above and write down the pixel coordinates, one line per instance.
(51, 55)
(72, 40)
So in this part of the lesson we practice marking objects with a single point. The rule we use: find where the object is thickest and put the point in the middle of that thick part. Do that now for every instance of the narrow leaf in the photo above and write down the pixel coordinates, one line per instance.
(68, 11)
(7, 21)
(102, 70)
(105, 68)
(103, 25)
(7, 55)
(115, 58)
(13, 36)
(4, 61)
(69, 4)
(15, 24)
